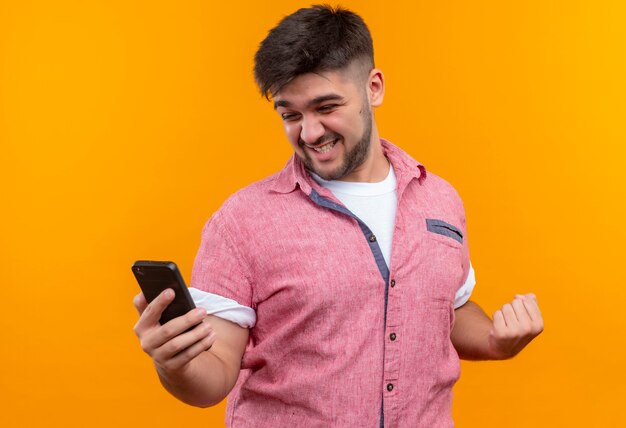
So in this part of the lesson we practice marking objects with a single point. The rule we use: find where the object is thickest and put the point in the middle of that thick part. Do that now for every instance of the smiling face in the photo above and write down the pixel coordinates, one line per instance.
(328, 120)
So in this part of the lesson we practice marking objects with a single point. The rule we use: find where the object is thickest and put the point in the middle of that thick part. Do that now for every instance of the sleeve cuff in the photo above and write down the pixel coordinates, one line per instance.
(224, 308)
(464, 293)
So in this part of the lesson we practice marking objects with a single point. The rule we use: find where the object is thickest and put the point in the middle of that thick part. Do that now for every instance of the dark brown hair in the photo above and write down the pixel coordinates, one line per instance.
(319, 38)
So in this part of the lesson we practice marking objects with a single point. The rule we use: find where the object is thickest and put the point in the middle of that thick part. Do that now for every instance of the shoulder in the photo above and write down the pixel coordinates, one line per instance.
(441, 201)
(427, 182)
(250, 195)
(441, 187)
(248, 205)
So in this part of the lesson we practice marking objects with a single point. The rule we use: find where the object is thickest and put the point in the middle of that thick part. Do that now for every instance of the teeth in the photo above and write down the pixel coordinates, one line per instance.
(325, 148)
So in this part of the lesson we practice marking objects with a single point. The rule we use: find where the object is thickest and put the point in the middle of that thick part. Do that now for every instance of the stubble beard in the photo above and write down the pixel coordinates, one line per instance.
(353, 158)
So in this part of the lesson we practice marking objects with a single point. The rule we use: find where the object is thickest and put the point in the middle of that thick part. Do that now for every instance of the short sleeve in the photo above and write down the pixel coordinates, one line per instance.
(465, 291)
(219, 267)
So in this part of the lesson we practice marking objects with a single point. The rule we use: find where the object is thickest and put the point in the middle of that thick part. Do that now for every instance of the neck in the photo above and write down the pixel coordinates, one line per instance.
(375, 168)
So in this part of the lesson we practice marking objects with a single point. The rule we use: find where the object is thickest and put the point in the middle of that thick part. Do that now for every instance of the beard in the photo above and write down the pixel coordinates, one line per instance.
(352, 159)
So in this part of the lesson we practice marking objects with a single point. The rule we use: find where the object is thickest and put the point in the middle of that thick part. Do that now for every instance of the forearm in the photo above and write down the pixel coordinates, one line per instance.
(470, 334)
(197, 356)
(204, 382)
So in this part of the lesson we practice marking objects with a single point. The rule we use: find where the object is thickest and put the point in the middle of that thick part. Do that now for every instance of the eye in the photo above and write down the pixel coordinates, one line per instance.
(288, 117)
(326, 108)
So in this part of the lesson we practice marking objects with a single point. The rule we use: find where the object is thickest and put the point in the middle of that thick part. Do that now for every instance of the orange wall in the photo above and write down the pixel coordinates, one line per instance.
(124, 125)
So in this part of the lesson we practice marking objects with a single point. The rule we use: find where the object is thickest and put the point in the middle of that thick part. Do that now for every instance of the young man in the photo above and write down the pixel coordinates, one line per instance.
(337, 289)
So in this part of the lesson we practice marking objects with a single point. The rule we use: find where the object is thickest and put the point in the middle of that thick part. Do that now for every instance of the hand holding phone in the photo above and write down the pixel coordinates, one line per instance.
(187, 336)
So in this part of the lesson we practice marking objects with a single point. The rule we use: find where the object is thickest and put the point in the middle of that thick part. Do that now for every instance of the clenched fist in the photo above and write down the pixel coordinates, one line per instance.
(514, 326)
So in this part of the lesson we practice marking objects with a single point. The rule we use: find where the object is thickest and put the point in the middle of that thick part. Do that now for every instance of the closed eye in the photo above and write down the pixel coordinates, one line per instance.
(289, 116)
(327, 108)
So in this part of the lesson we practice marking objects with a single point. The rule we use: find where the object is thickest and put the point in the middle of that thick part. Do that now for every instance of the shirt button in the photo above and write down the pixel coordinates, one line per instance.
(390, 387)
(393, 283)
(392, 336)
(372, 238)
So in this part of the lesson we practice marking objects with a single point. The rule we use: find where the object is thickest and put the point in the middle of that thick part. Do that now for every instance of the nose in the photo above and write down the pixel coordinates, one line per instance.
(311, 130)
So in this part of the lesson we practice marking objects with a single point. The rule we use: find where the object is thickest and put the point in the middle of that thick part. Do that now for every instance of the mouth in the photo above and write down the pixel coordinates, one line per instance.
(324, 148)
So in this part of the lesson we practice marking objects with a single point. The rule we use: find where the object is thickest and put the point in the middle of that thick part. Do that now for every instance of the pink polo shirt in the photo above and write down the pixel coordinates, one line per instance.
(340, 339)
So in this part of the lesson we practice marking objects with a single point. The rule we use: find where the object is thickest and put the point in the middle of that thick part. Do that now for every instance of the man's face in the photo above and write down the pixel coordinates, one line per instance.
(328, 121)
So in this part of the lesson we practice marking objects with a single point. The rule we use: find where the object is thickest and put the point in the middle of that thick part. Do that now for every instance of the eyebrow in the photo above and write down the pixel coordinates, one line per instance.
(314, 101)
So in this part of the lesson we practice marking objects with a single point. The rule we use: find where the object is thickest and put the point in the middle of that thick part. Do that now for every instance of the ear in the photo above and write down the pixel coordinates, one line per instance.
(376, 87)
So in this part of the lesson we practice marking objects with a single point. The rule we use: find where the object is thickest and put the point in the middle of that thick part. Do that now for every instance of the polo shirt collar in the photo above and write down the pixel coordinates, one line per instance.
(294, 174)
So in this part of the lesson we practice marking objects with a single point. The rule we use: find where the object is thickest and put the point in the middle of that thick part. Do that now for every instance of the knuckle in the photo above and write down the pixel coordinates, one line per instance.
(188, 354)
(144, 346)
(158, 357)
(202, 330)
(168, 330)
(200, 335)
(172, 347)
(208, 341)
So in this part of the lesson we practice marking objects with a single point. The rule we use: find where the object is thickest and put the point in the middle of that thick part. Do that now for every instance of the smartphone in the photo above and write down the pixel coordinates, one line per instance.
(155, 277)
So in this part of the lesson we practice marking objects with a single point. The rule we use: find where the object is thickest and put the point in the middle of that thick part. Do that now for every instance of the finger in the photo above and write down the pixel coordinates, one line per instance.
(174, 328)
(151, 314)
(528, 296)
(535, 315)
(192, 351)
(520, 310)
(522, 316)
(531, 296)
(183, 323)
(533, 309)
(509, 316)
(177, 344)
(498, 321)
(146, 317)
(140, 303)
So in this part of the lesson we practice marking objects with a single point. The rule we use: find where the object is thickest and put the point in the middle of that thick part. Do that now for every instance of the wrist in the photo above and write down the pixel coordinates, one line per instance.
(496, 350)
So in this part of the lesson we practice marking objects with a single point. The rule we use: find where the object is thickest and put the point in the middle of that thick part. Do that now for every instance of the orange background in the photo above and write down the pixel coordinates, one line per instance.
(124, 125)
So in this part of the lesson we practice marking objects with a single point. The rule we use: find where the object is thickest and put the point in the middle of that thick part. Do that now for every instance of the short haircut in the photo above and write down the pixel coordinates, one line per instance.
(319, 38)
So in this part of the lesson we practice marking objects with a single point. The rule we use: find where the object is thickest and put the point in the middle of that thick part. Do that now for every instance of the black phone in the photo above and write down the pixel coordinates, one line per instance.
(154, 277)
